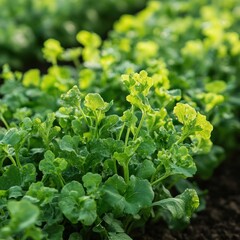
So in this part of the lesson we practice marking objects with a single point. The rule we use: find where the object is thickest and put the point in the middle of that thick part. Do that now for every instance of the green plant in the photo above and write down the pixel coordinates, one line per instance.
(88, 172)
(96, 148)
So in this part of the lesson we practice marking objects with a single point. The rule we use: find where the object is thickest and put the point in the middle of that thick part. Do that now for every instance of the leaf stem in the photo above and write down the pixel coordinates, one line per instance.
(17, 158)
(12, 160)
(83, 114)
(127, 136)
(160, 179)
(115, 166)
(121, 131)
(126, 172)
(62, 181)
(9, 156)
(4, 122)
(139, 126)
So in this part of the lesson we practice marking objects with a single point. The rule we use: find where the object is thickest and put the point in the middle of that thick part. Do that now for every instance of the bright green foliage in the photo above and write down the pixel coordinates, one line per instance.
(89, 162)
(94, 102)
(31, 77)
(76, 206)
(193, 123)
(88, 39)
(200, 59)
(99, 147)
(52, 50)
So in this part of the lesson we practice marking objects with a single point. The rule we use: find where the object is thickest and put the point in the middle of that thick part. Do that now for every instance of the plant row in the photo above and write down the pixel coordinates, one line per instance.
(112, 137)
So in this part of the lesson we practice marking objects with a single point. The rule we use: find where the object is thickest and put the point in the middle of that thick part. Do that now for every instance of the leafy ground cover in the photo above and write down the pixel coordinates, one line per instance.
(103, 173)
(111, 136)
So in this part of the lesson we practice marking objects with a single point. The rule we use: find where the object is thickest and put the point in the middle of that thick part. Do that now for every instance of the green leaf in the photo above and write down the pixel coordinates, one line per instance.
(43, 195)
(88, 211)
(129, 118)
(117, 182)
(28, 174)
(131, 198)
(212, 100)
(54, 232)
(88, 39)
(75, 236)
(185, 113)
(72, 97)
(67, 143)
(147, 147)
(76, 206)
(146, 169)
(114, 225)
(177, 211)
(122, 158)
(105, 147)
(108, 124)
(11, 177)
(217, 86)
(52, 50)
(181, 162)
(23, 215)
(113, 199)
(26, 123)
(15, 192)
(13, 137)
(139, 195)
(86, 78)
(194, 123)
(94, 102)
(91, 182)
(138, 83)
(136, 101)
(117, 236)
(68, 201)
(52, 165)
(31, 78)
(205, 126)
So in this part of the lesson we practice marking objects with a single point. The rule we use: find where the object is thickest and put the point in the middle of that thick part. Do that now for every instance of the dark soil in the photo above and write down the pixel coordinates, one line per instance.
(221, 218)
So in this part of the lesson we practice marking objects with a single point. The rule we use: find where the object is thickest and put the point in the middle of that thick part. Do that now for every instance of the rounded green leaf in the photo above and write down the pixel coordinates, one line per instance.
(23, 214)
(184, 112)
(94, 102)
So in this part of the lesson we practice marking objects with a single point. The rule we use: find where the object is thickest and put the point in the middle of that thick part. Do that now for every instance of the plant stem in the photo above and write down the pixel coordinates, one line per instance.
(115, 165)
(127, 136)
(17, 158)
(62, 181)
(9, 156)
(139, 126)
(83, 114)
(160, 179)
(121, 131)
(12, 160)
(4, 122)
(126, 173)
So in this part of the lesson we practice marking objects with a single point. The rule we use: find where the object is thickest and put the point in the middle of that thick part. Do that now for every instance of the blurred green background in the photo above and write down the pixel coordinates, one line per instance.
(26, 24)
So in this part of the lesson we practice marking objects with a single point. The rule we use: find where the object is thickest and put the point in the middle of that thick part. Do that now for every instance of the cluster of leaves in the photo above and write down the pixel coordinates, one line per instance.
(26, 24)
(93, 150)
(200, 57)
(197, 45)
(102, 173)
